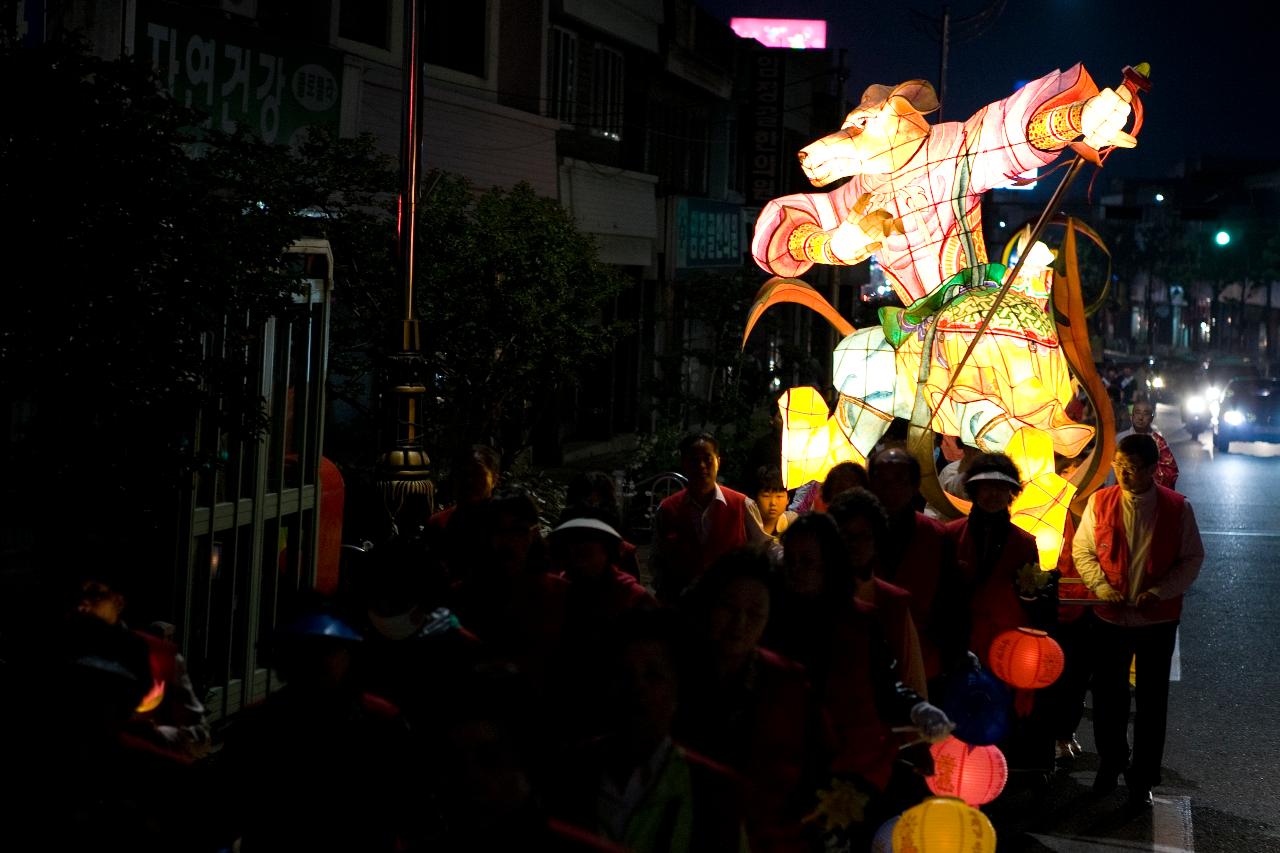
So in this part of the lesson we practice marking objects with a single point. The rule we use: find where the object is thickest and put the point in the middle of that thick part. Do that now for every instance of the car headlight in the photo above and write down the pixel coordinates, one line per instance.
(1195, 405)
(1158, 382)
(1233, 417)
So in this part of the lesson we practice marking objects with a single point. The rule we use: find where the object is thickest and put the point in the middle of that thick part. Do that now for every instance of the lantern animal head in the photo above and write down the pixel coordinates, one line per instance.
(877, 138)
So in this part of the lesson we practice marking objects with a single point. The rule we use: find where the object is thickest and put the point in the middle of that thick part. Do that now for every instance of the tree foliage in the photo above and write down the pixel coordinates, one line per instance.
(131, 234)
(509, 293)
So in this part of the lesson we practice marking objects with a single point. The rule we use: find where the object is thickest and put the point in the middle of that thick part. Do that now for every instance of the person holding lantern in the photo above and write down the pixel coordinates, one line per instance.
(1138, 549)
(990, 551)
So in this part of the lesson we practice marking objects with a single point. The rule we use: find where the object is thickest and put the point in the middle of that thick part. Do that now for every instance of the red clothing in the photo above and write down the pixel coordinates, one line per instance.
(685, 550)
(521, 620)
(1112, 544)
(994, 606)
(439, 521)
(627, 558)
(1166, 466)
(917, 570)
(760, 724)
(1068, 612)
(893, 610)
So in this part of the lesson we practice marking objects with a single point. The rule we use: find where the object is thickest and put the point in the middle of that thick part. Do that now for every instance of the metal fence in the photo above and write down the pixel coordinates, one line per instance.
(247, 538)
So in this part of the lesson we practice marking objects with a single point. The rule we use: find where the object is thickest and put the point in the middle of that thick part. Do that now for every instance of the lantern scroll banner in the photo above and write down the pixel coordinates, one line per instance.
(978, 352)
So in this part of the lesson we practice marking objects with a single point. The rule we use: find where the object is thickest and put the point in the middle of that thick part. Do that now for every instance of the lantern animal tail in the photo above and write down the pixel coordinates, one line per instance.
(1070, 317)
(779, 289)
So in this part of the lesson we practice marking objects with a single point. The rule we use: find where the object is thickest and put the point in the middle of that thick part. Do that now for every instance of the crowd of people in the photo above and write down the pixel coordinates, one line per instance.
(770, 679)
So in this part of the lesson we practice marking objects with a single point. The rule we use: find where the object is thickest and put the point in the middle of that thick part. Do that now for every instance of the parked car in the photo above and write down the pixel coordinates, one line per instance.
(1249, 410)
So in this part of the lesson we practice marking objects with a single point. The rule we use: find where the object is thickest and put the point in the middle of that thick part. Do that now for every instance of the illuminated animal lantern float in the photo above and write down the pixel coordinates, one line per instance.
(913, 201)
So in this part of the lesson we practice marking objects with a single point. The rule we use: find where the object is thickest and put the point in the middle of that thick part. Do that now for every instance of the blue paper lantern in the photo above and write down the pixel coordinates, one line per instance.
(978, 703)
(883, 842)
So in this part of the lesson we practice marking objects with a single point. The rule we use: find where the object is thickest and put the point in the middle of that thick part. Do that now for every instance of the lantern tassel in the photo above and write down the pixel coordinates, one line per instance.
(1023, 702)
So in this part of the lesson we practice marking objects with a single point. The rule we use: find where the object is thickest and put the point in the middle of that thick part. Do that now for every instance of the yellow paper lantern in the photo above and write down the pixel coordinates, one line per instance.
(943, 825)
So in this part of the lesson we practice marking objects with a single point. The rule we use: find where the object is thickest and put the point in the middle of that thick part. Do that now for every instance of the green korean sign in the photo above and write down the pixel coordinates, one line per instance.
(238, 76)
(708, 233)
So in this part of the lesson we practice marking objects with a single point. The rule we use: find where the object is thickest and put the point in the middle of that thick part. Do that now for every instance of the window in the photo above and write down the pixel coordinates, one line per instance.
(562, 75)
(367, 21)
(457, 37)
(606, 94)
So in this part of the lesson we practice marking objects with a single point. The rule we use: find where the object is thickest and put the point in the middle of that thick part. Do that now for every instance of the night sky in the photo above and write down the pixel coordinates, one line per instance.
(1213, 65)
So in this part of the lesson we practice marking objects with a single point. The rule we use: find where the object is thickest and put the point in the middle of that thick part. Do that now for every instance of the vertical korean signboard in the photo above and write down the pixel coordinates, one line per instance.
(767, 73)
(238, 76)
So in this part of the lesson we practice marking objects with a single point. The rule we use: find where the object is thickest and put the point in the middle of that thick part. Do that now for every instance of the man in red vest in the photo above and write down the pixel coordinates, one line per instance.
(1137, 548)
(701, 521)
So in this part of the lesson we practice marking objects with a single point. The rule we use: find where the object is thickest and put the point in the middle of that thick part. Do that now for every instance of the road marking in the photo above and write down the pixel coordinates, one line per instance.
(1171, 824)
(1171, 832)
(1265, 534)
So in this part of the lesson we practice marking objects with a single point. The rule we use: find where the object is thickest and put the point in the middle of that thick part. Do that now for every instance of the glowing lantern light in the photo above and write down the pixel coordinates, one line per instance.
(975, 774)
(978, 703)
(153, 698)
(883, 842)
(812, 441)
(944, 825)
(1026, 658)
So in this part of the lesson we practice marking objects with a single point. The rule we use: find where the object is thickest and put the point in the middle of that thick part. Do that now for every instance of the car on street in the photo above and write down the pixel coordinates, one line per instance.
(1249, 410)
(1201, 395)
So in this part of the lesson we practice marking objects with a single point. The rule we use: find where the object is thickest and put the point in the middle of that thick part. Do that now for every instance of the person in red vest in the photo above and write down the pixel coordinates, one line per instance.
(474, 476)
(917, 550)
(990, 551)
(745, 706)
(1137, 548)
(817, 622)
(700, 522)
(506, 594)
(634, 784)
(596, 491)
(864, 528)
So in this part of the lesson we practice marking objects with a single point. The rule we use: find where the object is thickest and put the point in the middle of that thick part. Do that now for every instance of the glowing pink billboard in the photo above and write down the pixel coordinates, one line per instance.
(782, 32)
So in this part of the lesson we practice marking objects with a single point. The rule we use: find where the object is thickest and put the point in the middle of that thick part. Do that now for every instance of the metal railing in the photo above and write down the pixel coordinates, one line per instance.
(246, 547)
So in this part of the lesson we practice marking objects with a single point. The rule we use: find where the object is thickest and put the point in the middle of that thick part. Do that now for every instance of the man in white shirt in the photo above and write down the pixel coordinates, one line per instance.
(1137, 548)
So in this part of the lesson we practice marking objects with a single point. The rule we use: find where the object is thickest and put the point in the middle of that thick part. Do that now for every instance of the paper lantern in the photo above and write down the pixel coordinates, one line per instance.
(1026, 658)
(943, 825)
(978, 703)
(883, 842)
(975, 774)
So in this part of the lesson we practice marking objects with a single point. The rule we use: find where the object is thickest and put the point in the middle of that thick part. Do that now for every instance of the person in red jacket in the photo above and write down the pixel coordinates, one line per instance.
(817, 622)
(1137, 548)
(170, 715)
(585, 551)
(744, 706)
(916, 552)
(506, 594)
(990, 550)
(701, 521)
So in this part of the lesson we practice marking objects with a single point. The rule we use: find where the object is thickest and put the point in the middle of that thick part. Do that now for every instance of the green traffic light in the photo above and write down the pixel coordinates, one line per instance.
(1222, 238)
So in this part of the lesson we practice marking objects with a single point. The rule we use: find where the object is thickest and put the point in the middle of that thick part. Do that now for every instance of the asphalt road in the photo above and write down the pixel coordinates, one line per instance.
(1222, 756)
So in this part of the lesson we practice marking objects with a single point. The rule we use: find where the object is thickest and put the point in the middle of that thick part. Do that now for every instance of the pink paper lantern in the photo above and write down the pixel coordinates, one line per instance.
(975, 774)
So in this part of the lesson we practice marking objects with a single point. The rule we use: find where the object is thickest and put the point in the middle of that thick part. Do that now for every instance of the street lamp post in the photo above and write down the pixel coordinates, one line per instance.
(404, 475)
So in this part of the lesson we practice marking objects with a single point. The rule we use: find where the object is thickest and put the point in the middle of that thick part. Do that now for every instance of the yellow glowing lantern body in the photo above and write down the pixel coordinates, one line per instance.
(912, 199)
(943, 825)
